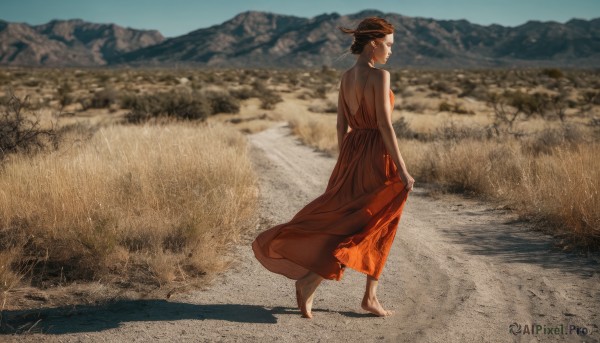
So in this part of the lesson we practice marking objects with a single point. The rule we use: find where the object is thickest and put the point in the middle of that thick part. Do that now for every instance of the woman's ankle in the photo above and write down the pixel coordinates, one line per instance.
(369, 297)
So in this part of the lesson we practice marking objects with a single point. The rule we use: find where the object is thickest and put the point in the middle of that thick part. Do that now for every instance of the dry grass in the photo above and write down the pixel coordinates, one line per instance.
(556, 184)
(317, 131)
(528, 173)
(560, 190)
(145, 205)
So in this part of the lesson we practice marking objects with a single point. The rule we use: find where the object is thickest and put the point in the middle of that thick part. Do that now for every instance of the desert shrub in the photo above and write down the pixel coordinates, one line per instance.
(177, 105)
(406, 93)
(269, 99)
(304, 96)
(243, 93)
(411, 106)
(32, 82)
(553, 73)
(546, 141)
(139, 207)
(262, 74)
(590, 97)
(467, 87)
(530, 104)
(293, 79)
(455, 108)
(510, 104)
(328, 74)
(321, 92)
(64, 94)
(103, 98)
(103, 77)
(442, 87)
(402, 129)
(129, 100)
(182, 105)
(445, 107)
(328, 107)
(453, 132)
(222, 102)
(229, 76)
(168, 79)
(20, 132)
(472, 90)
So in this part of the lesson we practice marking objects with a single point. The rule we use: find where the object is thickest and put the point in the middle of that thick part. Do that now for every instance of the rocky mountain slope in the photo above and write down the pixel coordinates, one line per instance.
(261, 39)
(69, 43)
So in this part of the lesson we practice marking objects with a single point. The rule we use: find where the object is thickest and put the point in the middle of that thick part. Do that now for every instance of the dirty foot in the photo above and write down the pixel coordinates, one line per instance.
(372, 305)
(304, 296)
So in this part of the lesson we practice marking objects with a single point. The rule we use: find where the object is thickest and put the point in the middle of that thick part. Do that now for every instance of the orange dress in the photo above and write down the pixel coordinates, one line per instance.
(353, 223)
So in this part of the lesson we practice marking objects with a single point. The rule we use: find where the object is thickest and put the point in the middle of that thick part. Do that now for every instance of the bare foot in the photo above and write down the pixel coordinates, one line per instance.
(372, 305)
(298, 297)
(304, 303)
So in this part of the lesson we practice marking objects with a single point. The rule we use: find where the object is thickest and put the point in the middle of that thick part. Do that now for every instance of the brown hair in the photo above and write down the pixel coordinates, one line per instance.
(368, 29)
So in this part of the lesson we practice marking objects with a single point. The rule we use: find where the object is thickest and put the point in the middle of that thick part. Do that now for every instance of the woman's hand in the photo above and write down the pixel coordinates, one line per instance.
(407, 180)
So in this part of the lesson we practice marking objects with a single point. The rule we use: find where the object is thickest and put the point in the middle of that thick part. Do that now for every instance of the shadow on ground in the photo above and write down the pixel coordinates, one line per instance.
(89, 318)
(515, 242)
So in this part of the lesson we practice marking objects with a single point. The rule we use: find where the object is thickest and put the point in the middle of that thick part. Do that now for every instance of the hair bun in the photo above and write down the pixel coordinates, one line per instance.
(367, 30)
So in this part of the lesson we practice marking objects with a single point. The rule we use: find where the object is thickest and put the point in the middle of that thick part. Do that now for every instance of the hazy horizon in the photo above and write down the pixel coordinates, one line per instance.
(188, 15)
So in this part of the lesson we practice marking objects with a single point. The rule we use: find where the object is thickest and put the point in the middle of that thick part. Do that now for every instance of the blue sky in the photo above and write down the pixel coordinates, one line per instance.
(177, 17)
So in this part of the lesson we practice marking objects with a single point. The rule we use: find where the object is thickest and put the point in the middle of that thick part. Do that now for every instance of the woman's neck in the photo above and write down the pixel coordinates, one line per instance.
(364, 60)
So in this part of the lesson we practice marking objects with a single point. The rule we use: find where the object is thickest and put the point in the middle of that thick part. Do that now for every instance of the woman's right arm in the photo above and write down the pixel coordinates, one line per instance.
(383, 111)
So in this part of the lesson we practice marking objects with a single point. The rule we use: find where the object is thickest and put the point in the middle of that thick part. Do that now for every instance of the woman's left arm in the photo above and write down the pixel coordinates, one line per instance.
(342, 122)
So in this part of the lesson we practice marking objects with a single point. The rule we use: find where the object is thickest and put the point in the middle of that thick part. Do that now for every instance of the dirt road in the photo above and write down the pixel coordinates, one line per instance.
(459, 271)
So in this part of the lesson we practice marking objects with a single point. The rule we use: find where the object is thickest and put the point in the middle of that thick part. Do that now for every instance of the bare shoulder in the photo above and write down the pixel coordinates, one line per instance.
(381, 74)
(381, 79)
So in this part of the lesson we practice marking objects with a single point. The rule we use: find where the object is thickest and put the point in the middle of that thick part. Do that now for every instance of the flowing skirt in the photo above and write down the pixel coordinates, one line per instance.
(352, 224)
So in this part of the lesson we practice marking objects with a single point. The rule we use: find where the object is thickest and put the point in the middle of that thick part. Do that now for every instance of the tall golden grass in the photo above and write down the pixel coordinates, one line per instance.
(145, 205)
(560, 189)
(317, 131)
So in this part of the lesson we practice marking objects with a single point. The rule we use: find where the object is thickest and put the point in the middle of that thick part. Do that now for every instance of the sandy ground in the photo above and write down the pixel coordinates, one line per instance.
(460, 270)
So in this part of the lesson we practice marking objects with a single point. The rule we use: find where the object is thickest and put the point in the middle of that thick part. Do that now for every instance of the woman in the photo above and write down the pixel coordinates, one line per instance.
(354, 222)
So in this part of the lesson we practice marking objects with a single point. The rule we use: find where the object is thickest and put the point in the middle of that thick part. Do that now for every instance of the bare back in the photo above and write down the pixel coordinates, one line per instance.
(358, 85)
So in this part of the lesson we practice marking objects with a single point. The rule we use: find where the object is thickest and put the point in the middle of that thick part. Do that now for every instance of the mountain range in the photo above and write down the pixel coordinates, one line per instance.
(69, 43)
(264, 39)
